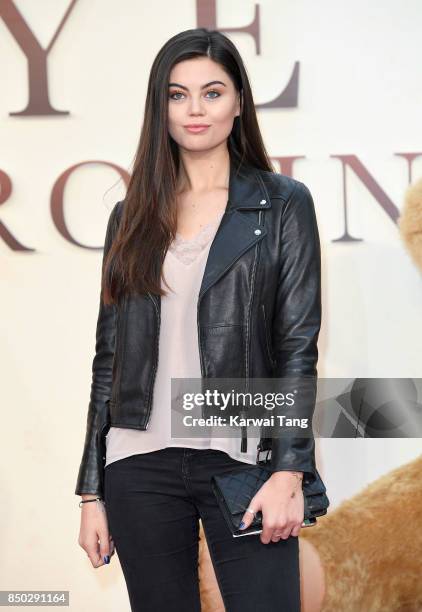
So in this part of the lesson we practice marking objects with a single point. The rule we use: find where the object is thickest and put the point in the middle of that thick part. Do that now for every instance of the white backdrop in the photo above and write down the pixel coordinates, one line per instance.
(360, 93)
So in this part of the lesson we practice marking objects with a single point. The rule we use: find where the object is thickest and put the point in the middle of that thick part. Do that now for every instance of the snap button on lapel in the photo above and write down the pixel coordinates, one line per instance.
(257, 232)
(262, 202)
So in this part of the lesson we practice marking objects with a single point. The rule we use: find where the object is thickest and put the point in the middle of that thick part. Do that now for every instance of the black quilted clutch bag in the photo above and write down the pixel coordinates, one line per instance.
(234, 491)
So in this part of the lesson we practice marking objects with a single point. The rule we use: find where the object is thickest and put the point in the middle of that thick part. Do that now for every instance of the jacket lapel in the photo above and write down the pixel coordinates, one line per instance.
(237, 231)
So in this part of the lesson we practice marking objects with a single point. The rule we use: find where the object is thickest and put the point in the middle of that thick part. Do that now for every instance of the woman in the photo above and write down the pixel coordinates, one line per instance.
(237, 245)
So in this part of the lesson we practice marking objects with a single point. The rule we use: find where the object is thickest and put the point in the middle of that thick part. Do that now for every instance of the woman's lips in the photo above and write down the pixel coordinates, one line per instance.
(196, 130)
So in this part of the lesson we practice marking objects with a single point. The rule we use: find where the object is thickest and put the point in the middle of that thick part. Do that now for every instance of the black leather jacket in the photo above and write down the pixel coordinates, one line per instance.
(259, 315)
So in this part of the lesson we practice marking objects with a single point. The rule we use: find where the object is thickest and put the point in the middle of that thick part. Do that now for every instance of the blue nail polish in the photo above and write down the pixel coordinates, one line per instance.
(242, 525)
(106, 559)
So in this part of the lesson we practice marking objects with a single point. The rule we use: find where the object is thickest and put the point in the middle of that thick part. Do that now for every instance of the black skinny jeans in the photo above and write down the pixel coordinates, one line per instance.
(154, 501)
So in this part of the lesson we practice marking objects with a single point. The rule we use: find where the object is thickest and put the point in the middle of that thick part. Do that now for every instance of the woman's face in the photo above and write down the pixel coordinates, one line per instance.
(201, 92)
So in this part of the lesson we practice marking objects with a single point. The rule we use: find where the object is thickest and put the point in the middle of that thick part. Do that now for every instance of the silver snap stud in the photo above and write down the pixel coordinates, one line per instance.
(257, 232)
(263, 202)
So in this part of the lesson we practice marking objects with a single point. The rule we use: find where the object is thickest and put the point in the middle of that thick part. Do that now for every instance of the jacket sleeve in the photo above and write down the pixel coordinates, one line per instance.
(296, 326)
(90, 471)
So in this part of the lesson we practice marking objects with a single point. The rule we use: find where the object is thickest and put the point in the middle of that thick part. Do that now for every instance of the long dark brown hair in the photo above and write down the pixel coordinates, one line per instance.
(148, 221)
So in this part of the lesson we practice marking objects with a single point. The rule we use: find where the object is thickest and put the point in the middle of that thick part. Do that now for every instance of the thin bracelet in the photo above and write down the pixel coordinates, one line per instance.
(299, 480)
(85, 501)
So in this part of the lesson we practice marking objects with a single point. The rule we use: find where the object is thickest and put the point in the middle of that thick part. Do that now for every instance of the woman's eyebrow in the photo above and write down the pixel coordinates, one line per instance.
(202, 86)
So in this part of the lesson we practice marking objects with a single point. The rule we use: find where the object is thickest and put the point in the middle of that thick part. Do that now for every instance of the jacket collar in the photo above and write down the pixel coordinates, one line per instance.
(238, 231)
(246, 188)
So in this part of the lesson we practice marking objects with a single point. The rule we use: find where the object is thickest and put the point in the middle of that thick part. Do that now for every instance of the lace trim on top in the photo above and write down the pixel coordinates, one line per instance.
(187, 250)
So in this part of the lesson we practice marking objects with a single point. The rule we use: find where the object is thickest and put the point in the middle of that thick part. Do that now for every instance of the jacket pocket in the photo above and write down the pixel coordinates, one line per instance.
(222, 347)
(267, 337)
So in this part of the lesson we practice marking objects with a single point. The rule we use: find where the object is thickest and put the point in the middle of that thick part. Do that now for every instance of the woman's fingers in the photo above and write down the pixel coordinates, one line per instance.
(92, 549)
(95, 538)
(100, 550)
(248, 517)
(296, 530)
(281, 534)
(106, 546)
(269, 528)
(281, 509)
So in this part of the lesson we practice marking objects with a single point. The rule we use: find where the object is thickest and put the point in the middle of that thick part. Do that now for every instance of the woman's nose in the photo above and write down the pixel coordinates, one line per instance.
(196, 105)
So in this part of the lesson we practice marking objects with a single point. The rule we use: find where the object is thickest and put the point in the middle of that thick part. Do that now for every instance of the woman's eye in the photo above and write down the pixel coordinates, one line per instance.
(175, 93)
(216, 92)
(179, 93)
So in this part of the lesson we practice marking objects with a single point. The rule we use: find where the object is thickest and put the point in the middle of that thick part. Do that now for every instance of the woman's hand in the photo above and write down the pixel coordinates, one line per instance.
(94, 536)
(281, 502)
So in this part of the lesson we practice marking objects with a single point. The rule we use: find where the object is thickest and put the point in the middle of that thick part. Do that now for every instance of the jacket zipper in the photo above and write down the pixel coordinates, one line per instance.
(199, 337)
(156, 361)
(267, 342)
(244, 443)
(252, 296)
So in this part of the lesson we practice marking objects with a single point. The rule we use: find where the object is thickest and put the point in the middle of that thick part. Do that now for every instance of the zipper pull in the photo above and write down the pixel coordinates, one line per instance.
(244, 443)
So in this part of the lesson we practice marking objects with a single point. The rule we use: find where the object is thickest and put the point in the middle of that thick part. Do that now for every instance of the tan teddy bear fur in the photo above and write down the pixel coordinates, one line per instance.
(410, 222)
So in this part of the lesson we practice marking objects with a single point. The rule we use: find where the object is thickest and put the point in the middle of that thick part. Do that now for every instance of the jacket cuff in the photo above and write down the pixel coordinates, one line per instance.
(293, 454)
(89, 479)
